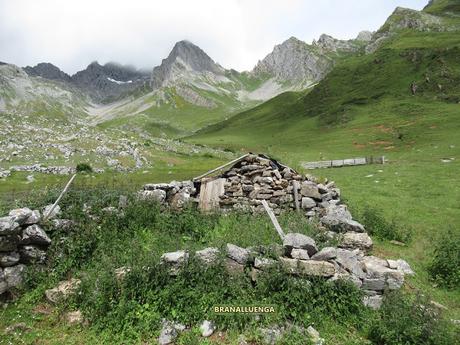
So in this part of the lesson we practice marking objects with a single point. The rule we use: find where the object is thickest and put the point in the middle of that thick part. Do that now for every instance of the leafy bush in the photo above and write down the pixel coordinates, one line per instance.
(84, 168)
(410, 320)
(376, 225)
(445, 266)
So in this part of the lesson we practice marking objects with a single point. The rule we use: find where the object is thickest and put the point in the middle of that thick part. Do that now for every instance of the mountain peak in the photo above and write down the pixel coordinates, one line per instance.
(293, 60)
(185, 56)
(47, 70)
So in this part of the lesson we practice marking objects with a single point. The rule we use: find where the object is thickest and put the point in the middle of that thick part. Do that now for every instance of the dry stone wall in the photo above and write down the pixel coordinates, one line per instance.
(22, 242)
(256, 178)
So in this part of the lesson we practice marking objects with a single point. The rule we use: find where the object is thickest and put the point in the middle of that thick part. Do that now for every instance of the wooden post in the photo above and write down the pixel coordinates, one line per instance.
(45, 216)
(273, 219)
(296, 186)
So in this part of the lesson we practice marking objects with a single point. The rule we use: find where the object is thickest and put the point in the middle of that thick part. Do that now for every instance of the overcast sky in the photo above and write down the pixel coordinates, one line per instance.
(235, 33)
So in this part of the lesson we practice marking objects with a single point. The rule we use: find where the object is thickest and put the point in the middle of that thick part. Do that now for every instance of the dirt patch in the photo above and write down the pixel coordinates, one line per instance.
(384, 129)
(381, 143)
(359, 146)
(43, 309)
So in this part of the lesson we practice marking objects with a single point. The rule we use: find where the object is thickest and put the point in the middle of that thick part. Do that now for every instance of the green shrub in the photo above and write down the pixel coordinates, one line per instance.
(410, 320)
(377, 225)
(84, 168)
(445, 266)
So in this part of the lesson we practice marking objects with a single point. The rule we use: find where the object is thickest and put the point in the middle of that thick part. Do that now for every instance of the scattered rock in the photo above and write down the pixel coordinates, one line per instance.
(175, 258)
(56, 212)
(238, 254)
(207, 328)
(64, 290)
(17, 327)
(169, 332)
(208, 255)
(314, 336)
(73, 317)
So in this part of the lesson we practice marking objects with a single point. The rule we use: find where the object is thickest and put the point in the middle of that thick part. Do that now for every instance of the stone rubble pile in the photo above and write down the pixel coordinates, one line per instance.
(23, 242)
(301, 257)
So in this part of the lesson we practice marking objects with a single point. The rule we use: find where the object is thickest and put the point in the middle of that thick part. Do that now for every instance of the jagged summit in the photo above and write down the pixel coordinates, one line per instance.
(294, 60)
(47, 70)
(185, 56)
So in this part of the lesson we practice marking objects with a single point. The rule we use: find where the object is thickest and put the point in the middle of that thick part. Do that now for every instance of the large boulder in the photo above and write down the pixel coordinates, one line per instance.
(34, 234)
(299, 241)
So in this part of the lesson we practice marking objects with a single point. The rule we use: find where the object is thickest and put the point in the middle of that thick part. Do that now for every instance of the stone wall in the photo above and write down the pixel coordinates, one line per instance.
(257, 178)
(22, 242)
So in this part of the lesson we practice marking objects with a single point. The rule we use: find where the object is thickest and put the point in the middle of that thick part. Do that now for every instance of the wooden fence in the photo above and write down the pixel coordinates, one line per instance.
(344, 162)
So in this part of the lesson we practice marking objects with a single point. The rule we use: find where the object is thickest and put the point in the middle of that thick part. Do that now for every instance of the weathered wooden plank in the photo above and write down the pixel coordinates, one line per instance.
(343, 162)
(295, 188)
(273, 219)
(45, 216)
(210, 193)
(221, 167)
